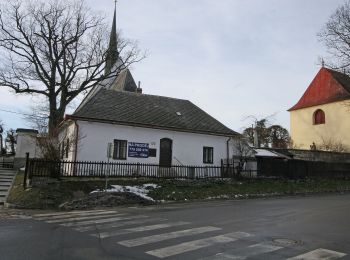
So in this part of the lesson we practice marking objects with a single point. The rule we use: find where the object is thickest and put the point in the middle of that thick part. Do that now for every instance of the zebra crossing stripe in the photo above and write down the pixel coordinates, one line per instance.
(319, 254)
(77, 215)
(118, 224)
(197, 244)
(64, 213)
(139, 229)
(244, 253)
(74, 219)
(165, 236)
(99, 221)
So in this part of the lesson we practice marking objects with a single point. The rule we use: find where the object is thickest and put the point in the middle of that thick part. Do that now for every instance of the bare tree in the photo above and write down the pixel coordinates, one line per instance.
(278, 136)
(38, 118)
(332, 145)
(242, 148)
(336, 36)
(11, 140)
(266, 134)
(259, 128)
(57, 49)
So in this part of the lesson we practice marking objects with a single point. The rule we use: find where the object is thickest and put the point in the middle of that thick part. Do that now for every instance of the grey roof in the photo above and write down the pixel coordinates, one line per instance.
(124, 82)
(25, 130)
(143, 110)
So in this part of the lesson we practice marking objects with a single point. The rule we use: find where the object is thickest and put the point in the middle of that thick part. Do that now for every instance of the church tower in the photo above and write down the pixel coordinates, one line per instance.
(112, 53)
(124, 80)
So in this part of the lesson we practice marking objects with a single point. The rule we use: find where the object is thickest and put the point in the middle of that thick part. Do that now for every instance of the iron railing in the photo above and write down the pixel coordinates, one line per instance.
(66, 169)
(6, 163)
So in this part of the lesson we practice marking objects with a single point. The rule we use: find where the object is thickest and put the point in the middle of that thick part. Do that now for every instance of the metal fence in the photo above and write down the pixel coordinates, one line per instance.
(6, 163)
(40, 169)
(301, 169)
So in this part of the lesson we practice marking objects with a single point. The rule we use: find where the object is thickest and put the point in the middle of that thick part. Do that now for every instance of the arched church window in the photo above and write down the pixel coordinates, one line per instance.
(319, 117)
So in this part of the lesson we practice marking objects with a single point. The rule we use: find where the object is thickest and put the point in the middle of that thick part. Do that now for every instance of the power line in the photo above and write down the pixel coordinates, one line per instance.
(23, 114)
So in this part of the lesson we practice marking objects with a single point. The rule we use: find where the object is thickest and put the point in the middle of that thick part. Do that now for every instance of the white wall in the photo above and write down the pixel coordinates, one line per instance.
(187, 147)
(68, 132)
(26, 143)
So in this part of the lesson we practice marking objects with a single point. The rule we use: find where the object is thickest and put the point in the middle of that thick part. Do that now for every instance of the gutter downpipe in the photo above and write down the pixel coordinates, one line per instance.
(76, 139)
(76, 144)
(227, 153)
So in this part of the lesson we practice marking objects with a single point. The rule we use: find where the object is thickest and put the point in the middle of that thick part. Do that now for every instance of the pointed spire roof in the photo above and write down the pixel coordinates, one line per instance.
(112, 53)
(328, 86)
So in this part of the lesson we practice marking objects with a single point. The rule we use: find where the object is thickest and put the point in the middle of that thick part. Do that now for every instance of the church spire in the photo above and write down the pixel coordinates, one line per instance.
(112, 53)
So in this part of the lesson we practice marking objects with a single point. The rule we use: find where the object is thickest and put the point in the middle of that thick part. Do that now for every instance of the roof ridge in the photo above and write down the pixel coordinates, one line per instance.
(143, 94)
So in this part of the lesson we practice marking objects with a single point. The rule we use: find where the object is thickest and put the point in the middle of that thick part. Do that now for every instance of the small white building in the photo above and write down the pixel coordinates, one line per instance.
(144, 129)
(26, 142)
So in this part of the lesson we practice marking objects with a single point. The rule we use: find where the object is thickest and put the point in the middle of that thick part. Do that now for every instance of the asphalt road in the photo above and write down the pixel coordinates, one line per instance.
(284, 228)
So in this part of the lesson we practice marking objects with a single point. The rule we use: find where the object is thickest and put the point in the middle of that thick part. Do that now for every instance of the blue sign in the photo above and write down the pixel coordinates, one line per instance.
(138, 150)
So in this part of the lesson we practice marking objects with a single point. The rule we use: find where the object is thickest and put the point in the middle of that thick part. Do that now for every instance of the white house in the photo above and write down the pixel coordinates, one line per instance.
(146, 129)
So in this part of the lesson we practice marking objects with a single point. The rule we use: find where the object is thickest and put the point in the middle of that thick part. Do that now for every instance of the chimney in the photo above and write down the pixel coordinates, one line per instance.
(139, 89)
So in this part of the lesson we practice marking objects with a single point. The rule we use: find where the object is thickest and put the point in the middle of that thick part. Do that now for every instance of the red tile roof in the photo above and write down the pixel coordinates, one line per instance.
(328, 86)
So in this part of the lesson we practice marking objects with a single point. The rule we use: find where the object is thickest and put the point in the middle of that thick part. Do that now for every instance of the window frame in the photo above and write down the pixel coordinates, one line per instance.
(120, 144)
(67, 149)
(319, 119)
(208, 155)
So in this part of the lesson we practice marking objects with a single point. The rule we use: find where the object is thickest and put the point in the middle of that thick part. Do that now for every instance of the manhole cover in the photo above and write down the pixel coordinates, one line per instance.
(286, 241)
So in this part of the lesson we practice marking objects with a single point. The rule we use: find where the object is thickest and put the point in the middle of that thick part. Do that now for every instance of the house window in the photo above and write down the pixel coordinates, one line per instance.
(208, 154)
(67, 147)
(62, 147)
(152, 152)
(319, 117)
(120, 147)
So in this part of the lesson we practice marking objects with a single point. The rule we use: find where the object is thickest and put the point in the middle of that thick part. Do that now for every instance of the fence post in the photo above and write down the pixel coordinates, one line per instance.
(26, 171)
(222, 168)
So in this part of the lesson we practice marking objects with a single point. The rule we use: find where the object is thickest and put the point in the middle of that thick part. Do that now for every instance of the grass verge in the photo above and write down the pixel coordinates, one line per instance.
(54, 194)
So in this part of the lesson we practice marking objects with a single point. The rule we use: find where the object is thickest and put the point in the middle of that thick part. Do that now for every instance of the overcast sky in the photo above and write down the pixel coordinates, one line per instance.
(232, 58)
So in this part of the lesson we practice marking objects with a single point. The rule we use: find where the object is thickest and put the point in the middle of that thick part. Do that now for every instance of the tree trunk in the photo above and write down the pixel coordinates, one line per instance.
(55, 118)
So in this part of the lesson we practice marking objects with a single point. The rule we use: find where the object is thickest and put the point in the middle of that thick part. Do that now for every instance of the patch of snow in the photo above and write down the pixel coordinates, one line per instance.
(218, 197)
(140, 191)
(23, 168)
(150, 185)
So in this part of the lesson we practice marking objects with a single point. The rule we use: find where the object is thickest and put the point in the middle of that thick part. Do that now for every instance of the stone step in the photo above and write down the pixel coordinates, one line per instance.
(3, 194)
(5, 180)
(5, 183)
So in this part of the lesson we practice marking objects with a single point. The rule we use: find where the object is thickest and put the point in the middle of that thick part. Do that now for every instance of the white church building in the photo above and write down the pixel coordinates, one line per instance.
(142, 128)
